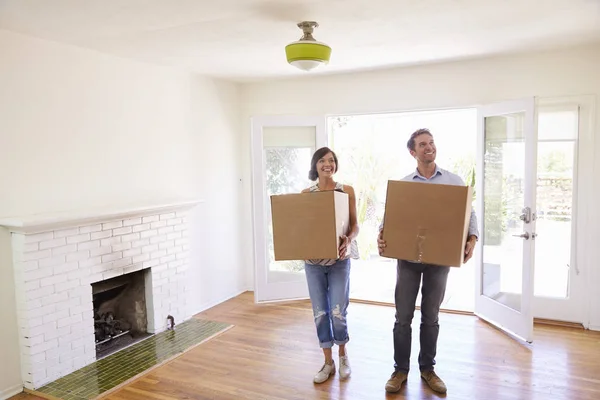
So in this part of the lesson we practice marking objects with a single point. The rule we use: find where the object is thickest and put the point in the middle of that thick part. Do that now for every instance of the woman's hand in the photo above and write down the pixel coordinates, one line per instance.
(380, 243)
(344, 243)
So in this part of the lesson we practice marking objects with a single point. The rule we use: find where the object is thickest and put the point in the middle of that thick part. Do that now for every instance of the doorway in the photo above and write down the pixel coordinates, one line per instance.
(372, 149)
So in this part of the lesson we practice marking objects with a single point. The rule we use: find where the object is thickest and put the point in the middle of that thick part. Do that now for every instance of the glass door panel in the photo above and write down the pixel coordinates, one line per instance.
(503, 193)
(506, 207)
(286, 172)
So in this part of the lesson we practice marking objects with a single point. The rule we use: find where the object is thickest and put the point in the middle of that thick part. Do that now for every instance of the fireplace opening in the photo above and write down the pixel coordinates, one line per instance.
(120, 315)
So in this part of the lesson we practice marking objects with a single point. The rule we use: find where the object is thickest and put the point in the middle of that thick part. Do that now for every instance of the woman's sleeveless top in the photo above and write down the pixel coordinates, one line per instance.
(353, 250)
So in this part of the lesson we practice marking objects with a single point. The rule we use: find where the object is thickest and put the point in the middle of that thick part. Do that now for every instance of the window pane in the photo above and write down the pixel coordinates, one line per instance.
(554, 218)
(289, 136)
(558, 125)
(503, 194)
(286, 172)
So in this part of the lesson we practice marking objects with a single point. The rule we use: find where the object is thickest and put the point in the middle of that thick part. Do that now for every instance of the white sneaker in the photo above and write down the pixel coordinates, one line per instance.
(345, 369)
(325, 372)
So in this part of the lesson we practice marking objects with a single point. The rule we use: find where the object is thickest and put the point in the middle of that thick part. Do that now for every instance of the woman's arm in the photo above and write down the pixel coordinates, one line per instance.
(353, 231)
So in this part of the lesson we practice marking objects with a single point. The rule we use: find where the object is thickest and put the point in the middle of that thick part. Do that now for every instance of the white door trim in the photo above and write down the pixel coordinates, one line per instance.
(582, 245)
(263, 291)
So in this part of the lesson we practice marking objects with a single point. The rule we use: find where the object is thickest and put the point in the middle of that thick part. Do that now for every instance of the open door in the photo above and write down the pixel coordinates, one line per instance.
(282, 147)
(505, 195)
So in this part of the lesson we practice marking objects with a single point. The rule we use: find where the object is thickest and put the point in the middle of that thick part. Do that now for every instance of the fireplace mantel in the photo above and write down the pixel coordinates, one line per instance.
(38, 223)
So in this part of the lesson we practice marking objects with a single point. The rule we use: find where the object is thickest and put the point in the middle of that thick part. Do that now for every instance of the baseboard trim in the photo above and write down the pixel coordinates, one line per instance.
(551, 322)
(372, 302)
(205, 307)
(10, 392)
(386, 304)
(594, 327)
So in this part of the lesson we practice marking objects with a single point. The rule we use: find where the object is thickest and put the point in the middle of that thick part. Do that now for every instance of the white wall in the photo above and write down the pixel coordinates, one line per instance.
(80, 130)
(217, 166)
(457, 84)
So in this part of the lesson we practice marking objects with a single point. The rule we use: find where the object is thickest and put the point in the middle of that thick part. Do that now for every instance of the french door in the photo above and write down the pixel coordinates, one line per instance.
(531, 154)
(505, 194)
(282, 147)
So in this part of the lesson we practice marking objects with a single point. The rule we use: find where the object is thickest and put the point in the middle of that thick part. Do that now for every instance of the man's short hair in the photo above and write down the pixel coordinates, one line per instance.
(411, 142)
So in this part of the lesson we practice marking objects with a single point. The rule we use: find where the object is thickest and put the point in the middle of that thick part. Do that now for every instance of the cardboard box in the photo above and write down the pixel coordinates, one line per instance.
(426, 222)
(309, 225)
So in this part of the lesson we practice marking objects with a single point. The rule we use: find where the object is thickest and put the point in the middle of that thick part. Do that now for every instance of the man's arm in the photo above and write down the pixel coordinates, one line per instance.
(473, 230)
(473, 236)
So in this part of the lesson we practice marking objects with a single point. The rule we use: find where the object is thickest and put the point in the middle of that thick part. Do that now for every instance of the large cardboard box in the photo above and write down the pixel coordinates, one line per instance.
(426, 222)
(309, 225)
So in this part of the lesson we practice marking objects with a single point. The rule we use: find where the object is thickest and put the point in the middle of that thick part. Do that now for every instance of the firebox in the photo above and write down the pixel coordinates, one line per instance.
(120, 312)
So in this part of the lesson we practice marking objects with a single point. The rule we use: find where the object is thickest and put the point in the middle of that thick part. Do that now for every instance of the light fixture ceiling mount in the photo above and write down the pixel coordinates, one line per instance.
(307, 53)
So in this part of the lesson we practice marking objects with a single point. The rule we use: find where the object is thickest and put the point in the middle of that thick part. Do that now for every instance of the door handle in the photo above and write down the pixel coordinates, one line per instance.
(524, 235)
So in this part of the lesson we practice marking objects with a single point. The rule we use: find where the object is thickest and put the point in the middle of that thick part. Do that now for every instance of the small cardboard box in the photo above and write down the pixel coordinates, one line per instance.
(309, 225)
(427, 223)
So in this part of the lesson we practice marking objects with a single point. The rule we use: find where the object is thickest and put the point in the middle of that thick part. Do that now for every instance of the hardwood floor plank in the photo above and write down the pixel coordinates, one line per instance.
(26, 396)
(272, 353)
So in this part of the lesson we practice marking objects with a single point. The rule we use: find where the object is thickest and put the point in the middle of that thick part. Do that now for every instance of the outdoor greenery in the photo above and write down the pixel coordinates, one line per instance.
(282, 173)
(285, 175)
(368, 172)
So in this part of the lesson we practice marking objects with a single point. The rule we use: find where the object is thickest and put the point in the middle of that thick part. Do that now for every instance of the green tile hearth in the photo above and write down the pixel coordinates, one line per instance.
(109, 372)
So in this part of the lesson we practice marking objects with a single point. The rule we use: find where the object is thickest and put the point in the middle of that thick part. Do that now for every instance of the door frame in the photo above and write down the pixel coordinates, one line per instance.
(582, 243)
(263, 290)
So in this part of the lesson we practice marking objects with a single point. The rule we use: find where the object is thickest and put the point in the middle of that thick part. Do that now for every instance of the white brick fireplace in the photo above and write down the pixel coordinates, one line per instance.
(57, 258)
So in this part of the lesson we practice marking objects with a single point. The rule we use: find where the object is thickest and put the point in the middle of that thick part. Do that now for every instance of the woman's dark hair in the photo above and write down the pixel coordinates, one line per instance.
(313, 175)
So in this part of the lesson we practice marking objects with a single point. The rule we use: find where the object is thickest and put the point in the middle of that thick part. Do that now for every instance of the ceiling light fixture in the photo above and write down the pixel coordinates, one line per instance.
(307, 53)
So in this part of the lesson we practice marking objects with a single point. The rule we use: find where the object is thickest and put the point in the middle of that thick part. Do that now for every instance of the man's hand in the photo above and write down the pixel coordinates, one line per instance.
(343, 249)
(380, 243)
(469, 247)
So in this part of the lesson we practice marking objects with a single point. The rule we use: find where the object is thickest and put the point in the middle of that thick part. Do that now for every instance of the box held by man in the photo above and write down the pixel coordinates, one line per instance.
(309, 225)
(427, 223)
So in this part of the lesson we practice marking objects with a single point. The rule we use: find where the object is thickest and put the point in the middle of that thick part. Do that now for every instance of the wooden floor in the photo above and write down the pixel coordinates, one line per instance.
(272, 353)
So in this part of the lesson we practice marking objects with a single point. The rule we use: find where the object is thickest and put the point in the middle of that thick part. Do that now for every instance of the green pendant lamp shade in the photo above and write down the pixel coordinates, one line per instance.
(307, 54)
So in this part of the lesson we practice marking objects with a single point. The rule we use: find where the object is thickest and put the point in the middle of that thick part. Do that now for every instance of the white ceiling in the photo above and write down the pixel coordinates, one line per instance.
(245, 39)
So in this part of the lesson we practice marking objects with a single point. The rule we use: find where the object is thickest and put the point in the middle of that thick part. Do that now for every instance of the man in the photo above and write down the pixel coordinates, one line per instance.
(408, 278)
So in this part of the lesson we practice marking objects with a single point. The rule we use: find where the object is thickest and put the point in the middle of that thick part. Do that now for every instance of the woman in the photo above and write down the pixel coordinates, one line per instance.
(329, 280)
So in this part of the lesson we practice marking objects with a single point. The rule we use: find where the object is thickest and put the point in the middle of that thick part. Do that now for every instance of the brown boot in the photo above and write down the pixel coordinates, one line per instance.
(394, 384)
(434, 381)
